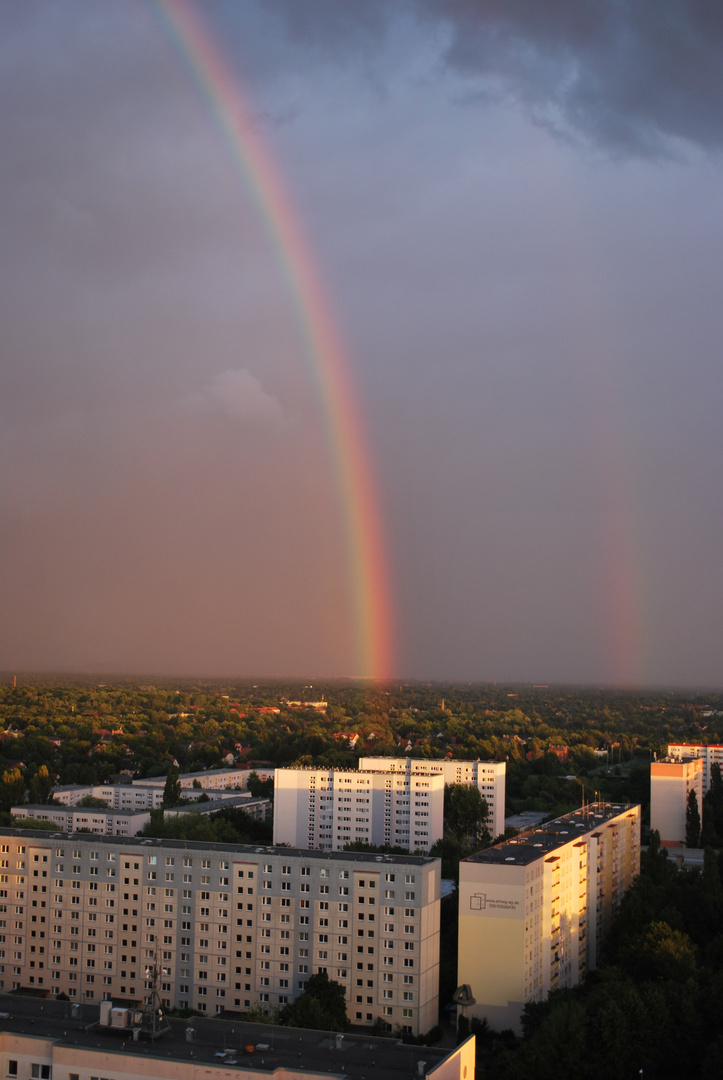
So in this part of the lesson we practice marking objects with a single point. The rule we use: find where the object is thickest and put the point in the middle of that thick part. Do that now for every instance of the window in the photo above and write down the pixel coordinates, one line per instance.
(40, 1072)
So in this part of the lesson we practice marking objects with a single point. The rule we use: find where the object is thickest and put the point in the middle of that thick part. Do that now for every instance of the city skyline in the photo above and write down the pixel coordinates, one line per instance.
(508, 241)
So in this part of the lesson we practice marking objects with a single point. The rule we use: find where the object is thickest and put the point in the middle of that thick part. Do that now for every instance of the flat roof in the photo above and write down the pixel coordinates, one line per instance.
(540, 841)
(74, 808)
(201, 846)
(357, 1057)
(699, 745)
(212, 806)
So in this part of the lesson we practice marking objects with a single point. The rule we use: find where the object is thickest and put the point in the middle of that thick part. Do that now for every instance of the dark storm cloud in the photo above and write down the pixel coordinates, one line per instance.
(626, 74)
(630, 76)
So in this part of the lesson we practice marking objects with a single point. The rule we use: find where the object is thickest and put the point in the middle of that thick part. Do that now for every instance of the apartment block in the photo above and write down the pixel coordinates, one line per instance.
(708, 754)
(209, 779)
(488, 776)
(230, 926)
(97, 820)
(132, 799)
(534, 910)
(329, 808)
(671, 782)
(129, 797)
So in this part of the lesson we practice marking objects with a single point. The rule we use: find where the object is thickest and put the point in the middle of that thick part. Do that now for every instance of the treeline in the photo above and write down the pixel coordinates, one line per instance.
(84, 733)
(227, 826)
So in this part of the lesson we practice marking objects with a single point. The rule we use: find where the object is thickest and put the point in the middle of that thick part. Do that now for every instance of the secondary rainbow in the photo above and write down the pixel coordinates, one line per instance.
(220, 88)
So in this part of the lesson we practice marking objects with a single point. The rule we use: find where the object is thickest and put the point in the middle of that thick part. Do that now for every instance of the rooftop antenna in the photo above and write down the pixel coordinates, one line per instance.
(153, 1019)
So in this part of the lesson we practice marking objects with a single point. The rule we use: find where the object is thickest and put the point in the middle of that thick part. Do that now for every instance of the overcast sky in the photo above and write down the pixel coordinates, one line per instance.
(517, 208)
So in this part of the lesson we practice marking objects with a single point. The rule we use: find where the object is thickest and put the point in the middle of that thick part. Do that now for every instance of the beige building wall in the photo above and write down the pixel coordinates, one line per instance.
(532, 911)
(229, 926)
(488, 776)
(671, 782)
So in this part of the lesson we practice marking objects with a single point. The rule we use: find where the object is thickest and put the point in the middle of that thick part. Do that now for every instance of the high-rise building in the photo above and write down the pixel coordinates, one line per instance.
(671, 782)
(708, 754)
(230, 926)
(329, 808)
(533, 910)
(488, 776)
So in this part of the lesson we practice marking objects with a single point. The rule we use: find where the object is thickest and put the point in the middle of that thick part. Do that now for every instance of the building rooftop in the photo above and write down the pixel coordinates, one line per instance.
(43, 808)
(354, 1056)
(200, 847)
(212, 806)
(540, 841)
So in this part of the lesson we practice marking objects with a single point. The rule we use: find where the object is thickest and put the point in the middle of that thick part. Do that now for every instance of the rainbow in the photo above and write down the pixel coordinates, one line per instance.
(354, 479)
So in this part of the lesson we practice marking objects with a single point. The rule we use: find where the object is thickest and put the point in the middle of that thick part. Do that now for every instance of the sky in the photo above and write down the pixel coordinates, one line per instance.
(515, 212)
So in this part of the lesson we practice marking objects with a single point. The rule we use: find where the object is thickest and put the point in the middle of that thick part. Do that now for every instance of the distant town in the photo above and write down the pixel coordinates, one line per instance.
(472, 868)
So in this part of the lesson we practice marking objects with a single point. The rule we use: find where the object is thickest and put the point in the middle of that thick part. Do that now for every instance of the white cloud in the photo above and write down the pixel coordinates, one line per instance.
(240, 396)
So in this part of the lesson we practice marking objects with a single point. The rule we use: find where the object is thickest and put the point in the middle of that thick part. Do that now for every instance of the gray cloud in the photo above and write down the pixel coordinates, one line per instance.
(625, 74)
(633, 77)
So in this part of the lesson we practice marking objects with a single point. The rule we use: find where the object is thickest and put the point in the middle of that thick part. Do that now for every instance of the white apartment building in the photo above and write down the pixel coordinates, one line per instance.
(533, 910)
(138, 797)
(488, 776)
(128, 797)
(671, 782)
(328, 808)
(209, 779)
(230, 926)
(708, 754)
(101, 821)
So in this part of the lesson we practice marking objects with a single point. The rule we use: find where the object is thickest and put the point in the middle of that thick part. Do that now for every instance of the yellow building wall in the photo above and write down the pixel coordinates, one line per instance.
(492, 941)
(460, 1065)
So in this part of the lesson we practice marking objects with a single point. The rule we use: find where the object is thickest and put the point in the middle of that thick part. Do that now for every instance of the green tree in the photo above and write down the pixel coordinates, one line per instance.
(692, 821)
(665, 954)
(41, 786)
(465, 812)
(12, 789)
(260, 788)
(172, 789)
(322, 1005)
